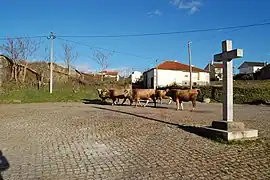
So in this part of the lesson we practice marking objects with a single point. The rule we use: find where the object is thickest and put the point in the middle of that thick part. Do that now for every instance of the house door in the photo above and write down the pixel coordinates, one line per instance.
(152, 82)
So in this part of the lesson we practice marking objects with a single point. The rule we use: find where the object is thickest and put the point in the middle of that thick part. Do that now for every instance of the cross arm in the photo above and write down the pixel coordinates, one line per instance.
(236, 53)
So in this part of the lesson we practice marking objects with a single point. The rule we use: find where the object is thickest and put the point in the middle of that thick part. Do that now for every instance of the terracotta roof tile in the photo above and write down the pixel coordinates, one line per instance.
(111, 73)
(218, 65)
(172, 65)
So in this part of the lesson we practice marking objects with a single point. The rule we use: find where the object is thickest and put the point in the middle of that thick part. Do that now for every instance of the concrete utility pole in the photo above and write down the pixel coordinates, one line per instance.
(52, 37)
(190, 67)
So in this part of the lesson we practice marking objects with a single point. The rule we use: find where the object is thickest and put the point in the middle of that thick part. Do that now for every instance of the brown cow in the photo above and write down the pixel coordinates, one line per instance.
(116, 94)
(179, 96)
(143, 94)
(161, 94)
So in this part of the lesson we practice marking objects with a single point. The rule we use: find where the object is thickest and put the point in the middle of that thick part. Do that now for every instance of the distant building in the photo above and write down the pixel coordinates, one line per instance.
(111, 74)
(135, 76)
(174, 73)
(215, 70)
(264, 73)
(250, 67)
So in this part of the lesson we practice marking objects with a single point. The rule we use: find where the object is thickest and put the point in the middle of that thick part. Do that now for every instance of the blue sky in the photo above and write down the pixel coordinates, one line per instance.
(107, 17)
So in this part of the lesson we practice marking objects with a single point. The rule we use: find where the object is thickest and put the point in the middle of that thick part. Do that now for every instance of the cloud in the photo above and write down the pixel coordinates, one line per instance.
(192, 5)
(155, 13)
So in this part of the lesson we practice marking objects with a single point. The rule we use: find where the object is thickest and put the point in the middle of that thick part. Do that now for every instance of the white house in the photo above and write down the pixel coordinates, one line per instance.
(111, 74)
(250, 67)
(215, 70)
(173, 72)
(135, 76)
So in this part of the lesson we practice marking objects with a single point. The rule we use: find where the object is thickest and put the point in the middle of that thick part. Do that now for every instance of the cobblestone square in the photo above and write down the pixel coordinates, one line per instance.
(89, 141)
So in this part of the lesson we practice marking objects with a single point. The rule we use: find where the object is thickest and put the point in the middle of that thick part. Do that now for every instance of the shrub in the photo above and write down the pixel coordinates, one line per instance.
(241, 95)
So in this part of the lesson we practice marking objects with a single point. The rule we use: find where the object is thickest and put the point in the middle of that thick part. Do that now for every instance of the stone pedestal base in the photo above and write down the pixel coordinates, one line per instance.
(230, 131)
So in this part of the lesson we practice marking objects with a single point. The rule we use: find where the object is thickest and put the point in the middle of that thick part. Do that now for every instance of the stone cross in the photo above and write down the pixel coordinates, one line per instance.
(226, 57)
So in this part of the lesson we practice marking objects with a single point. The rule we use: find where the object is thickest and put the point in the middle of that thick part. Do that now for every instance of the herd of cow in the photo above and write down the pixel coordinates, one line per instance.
(177, 95)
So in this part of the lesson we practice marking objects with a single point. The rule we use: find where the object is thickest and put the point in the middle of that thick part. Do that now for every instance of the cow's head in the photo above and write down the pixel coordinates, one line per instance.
(99, 91)
(102, 93)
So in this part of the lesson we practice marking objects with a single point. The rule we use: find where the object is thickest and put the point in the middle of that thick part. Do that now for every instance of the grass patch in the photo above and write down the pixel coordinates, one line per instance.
(247, 83)
(33, 95)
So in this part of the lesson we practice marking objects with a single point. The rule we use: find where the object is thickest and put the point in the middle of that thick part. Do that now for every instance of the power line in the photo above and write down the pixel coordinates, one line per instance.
(167, 33)
(25, 37)
(227, 32)
(114, 51)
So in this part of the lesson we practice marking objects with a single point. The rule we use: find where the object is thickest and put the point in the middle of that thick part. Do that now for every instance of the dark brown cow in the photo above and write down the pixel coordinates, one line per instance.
(180, 96)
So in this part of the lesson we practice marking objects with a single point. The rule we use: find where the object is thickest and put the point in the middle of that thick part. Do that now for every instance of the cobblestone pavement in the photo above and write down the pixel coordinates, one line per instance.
(89, 141)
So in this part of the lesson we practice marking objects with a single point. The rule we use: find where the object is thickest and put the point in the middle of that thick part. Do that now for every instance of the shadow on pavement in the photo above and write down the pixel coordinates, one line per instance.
(98, 101)
(95, 101)
(191, 129)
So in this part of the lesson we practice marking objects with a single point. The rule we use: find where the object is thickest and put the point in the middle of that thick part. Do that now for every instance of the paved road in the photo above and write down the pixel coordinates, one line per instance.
(91, 141)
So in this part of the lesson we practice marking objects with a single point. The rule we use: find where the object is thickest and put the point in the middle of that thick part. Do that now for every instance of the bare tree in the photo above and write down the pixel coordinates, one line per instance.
(102, 60)
(19, 50)
(69, 55)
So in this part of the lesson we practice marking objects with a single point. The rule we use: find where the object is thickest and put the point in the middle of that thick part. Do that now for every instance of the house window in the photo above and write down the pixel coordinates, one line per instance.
(186, 75)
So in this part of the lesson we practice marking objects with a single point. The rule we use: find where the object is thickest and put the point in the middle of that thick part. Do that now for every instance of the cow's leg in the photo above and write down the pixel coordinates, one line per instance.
(160, 100)
(131, 101)
(124, 100)
(182, 107)
(147, 101)
(193, 105)
(177, 104)
(170, 100)
(155, 101)
(136, 102)
(140, 103)
(114, 101)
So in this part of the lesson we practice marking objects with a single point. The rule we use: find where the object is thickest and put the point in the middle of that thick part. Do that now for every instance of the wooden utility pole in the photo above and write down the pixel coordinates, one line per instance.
(190, 67)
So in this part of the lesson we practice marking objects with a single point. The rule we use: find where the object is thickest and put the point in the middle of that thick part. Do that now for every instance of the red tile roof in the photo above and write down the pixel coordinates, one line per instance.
(218, 65)
(111, 73)
(172, 65)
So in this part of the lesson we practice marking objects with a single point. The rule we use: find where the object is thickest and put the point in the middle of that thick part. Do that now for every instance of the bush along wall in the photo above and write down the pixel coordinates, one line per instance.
(240, 95)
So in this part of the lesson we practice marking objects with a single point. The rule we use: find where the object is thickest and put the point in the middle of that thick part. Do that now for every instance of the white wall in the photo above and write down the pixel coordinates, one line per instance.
(135, 76)
(245, 70)
(113, 76)
(255, 68)
(169, 77)
(204, 78)
(251, 69)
